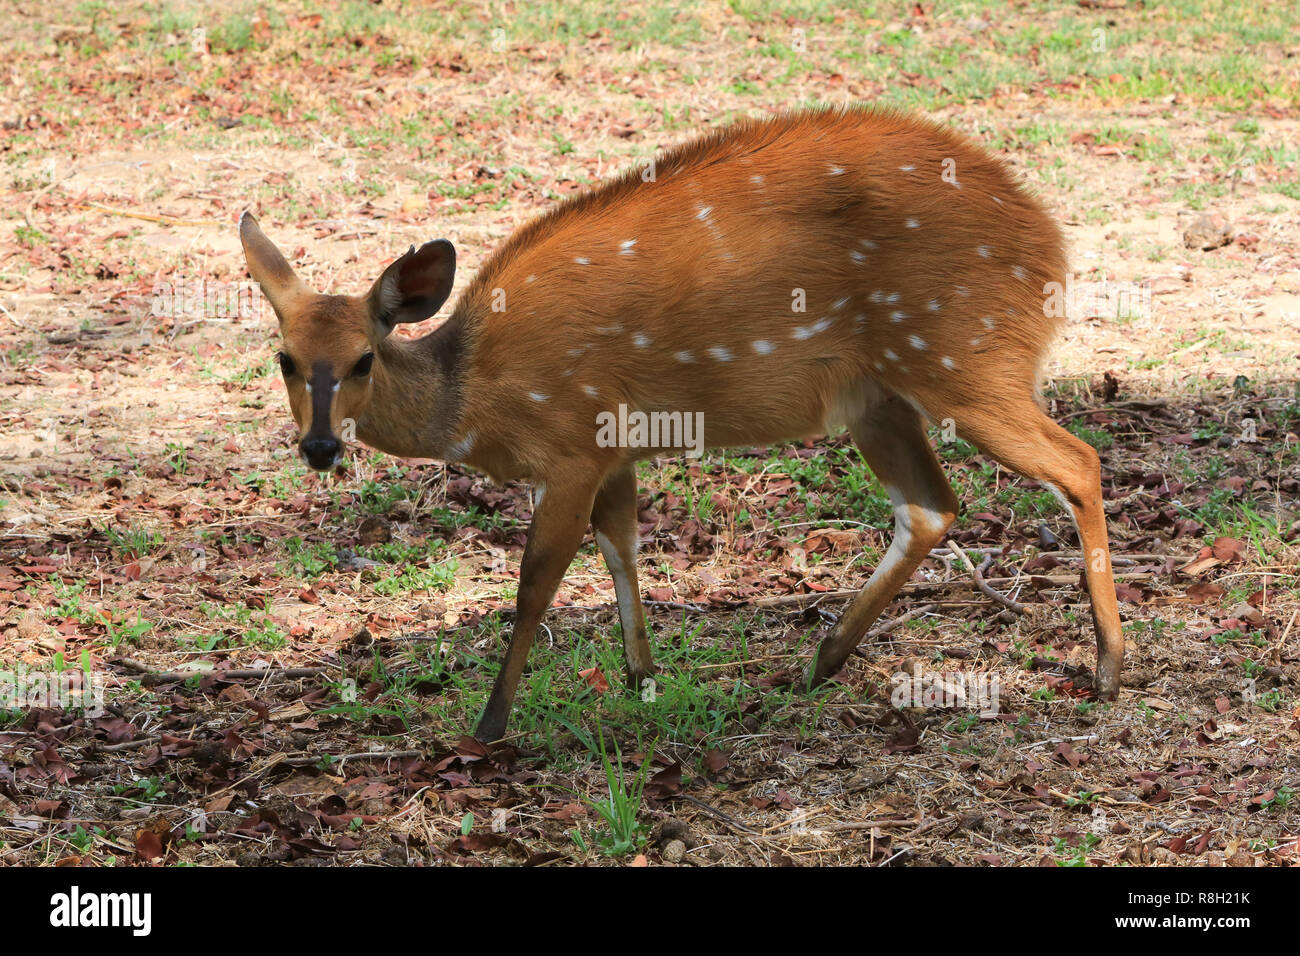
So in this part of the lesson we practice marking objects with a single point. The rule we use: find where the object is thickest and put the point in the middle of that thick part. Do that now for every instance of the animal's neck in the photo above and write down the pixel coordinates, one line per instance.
(415, 401)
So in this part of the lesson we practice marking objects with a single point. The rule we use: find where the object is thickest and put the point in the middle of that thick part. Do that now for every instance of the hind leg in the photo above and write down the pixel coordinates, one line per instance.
(613, 516)
(1025, 440)
(892, 438)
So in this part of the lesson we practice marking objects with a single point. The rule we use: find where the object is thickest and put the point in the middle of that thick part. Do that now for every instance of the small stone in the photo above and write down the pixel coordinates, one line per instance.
(670, 831)
(361, 641)
(675, 851)
(1208, 232)
(349, 560)
(396, 856)
(374, 530)
(1161, 854)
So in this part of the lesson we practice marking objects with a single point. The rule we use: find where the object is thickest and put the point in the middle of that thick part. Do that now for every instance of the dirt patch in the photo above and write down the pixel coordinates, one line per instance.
(290, 664)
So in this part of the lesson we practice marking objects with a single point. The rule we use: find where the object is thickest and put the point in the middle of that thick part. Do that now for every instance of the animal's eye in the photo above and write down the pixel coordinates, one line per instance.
(362, 368)
(286, 365)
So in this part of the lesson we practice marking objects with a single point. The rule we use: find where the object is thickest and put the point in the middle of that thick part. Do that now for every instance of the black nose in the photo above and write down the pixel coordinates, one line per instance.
(321, 452)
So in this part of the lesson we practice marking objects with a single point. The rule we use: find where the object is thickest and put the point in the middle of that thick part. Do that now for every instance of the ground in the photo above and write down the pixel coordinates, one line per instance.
(291, 663)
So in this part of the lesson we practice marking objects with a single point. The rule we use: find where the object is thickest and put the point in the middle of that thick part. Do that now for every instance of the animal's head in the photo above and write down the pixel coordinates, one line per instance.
(329, 342)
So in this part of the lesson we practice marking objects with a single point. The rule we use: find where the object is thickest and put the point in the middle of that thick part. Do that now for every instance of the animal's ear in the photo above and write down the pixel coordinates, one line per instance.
(268, 267)
(414, 287)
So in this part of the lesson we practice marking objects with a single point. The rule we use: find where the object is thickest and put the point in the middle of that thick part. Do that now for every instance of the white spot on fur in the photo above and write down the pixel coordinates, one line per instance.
(625, 247)
(539, 397)
(948, 362)
(684, 357)
(877, 296)
(720, 353)
(836, 171)
(933, 305)
(906, 169)
(912, 224)
(704, 212)
(867, 244)
(893, 297)
(763, 346)
(916, 342)
(640, 340)
(582, 261)
(984, 251)
(1019, 272)
(897, 316)
(808, 331)
(531, 279)
(840, 303)
(989, 323)
(857, 256)
(756, 179)
(591, 390)
(891, 355)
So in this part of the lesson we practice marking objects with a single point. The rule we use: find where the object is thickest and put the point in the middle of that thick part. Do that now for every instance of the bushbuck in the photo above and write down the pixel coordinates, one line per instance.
(781, 277)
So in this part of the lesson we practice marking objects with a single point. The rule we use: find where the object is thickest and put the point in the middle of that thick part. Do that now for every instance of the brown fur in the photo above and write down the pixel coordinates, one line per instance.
(795, 230)
(852, 207)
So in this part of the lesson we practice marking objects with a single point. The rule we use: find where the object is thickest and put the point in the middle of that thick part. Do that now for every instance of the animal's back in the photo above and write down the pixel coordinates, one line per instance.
(762, 272)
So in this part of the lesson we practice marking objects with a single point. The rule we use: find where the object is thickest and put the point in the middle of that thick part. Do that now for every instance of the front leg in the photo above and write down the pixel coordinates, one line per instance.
(559, 523)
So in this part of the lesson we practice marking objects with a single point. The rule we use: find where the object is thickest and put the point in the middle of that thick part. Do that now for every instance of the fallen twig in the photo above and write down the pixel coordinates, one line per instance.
(252, 673)
(872, 824)
(718, 814)
(147, 217)
(130, 745)
(987, 590)
(343, 758)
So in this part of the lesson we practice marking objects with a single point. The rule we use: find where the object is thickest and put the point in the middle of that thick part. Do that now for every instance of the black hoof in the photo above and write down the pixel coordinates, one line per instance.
(489, 730)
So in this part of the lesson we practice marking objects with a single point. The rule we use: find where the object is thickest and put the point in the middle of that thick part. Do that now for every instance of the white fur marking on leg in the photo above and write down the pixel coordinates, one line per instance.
(623, 589)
